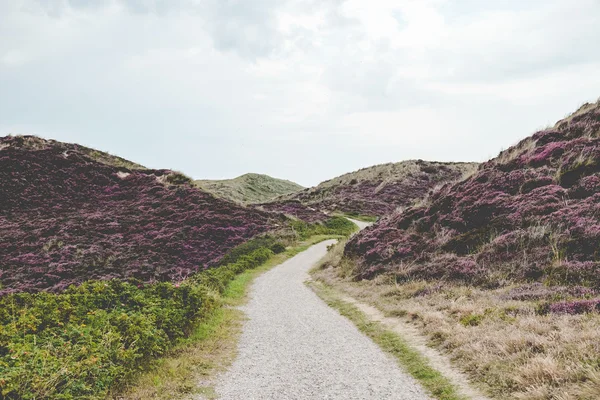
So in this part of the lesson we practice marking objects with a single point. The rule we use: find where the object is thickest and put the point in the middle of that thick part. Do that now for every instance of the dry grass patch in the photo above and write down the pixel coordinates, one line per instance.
(504, 346)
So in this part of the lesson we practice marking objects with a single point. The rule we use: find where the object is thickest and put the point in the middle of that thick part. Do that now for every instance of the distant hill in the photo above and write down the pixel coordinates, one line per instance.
(69, 213)
(249, 188)
(378, 190)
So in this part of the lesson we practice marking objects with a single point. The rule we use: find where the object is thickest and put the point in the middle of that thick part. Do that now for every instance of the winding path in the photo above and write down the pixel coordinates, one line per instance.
(295, 347)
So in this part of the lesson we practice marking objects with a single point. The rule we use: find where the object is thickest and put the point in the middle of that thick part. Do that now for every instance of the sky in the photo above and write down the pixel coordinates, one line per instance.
(298, 89)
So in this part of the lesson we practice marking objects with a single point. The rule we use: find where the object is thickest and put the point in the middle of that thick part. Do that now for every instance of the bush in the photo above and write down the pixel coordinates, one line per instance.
(333, 226)
(248, 247)
(90, 339)
(277, 248)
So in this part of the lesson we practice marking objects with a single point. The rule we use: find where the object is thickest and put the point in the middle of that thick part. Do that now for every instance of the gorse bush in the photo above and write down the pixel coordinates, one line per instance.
(87, 341)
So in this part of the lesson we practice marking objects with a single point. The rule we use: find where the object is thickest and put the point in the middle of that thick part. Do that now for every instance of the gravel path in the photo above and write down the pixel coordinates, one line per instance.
(295, 347)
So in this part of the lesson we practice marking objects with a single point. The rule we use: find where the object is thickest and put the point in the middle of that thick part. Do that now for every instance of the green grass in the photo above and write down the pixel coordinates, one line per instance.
(410, 359)
(249, 188)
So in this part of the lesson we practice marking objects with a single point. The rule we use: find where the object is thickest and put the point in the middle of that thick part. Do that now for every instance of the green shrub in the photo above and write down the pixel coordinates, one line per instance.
(277, 248)
(471, 320)
(92, 338)
(333, 226)
(248, 247)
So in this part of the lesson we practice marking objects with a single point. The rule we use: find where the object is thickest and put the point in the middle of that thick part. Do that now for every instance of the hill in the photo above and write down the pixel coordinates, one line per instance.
(71, 214)
(249, 188)
(381, 189)
(294, 209)
(530, 214)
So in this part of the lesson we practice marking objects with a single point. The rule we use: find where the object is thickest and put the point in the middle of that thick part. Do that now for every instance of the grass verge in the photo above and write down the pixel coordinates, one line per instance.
(411, 360)
(498, 338)
(190, 368)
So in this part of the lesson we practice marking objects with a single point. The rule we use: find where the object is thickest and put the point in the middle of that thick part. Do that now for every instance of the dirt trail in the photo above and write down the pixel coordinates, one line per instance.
(295, 347)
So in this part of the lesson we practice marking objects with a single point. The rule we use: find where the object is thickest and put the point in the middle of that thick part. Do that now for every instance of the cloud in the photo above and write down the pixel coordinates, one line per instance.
(217, 88)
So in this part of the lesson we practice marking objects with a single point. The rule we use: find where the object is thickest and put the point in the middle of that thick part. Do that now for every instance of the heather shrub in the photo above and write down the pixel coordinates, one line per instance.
(293, 208)
(575, 307)
(531, 214)
(373, 191)
(67, 218)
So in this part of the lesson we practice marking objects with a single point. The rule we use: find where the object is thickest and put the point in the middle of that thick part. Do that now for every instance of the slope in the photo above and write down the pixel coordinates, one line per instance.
(380, 189)
(530, 214)
(249, 188)
(71, 214)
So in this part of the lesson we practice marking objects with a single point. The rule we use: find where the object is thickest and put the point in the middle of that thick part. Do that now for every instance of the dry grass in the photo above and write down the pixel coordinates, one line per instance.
(190, 369)
(412, 361)
(249, 188)
(506, 156)
(389, 172)
(502, 345)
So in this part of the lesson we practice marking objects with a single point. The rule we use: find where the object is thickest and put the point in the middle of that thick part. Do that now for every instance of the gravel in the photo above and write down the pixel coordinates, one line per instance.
(295, 347)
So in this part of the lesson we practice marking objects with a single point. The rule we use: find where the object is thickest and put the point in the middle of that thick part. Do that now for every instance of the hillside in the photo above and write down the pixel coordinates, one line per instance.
(294, 209)
(70, 214)
(381, 189)
(530, 214)
(249, 188)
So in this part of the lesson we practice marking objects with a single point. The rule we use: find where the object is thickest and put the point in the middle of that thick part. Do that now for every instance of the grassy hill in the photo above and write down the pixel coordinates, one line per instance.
(529, 214)
(249, 188)
(501, 271)
(381, 189)
(71, 214)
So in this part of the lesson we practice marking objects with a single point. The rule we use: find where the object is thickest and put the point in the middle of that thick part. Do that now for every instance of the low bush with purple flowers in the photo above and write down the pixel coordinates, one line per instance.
(530, 215)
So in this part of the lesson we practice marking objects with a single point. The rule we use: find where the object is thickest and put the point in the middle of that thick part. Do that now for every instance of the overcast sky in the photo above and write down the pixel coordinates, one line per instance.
(297, 89)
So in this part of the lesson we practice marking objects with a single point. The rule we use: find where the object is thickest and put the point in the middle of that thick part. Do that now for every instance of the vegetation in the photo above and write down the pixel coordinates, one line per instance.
(332, 226)
(377, 190)
(192, 365)
(31, 142)
(249, 188)
(412, 361)
(93, 338)
(67, 218)
(359, 217)
(503, 339)
(507, 339)
(530, 215)
(500, 270)
(294, 209)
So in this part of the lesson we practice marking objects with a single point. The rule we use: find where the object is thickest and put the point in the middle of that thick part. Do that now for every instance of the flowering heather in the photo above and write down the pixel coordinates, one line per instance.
(379, 190)
(531, 214)
(295, 209)
(67, 216)
(575, 307)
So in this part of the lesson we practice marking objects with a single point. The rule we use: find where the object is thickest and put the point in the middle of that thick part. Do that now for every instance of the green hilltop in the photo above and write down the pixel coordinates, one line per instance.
(249, 188)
